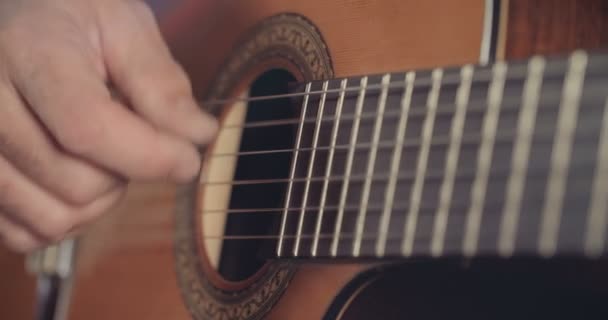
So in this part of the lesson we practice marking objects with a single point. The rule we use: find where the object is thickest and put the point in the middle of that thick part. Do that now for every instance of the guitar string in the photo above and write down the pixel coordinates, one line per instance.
(492, 217)
(280, 97)
(282, 209)
(355, 177)
(421, 82)
(532, 176)
(365, 236)
(483, 74)
(424, 240)
(511, 104)
(545, 139)
(409, 143)
(390, 143)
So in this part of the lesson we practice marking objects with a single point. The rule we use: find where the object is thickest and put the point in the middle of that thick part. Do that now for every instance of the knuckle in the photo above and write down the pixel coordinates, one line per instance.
(84, 189)
(161, 166)
(6, 187)
(102, 204)
(56, 226)
(19, 242)
(171, 86)
(93, 214)
(174, 95)
(80, 195)
(80, 135)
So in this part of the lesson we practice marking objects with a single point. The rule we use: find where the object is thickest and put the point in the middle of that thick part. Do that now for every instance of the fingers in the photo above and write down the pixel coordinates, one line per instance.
(26, 146)
(75, 106)
(66, 145)
(16, 237)
(26, 224)
(141, 66)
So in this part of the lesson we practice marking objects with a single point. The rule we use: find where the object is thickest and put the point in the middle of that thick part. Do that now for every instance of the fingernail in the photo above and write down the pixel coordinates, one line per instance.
(189, 166)
(207, 128)
(199, 126)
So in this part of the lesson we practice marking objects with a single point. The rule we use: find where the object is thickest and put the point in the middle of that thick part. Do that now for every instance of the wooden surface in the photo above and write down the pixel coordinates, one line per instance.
(125, 263)
(555, 27)
(364, 36)
(17, 288)
(125, 267)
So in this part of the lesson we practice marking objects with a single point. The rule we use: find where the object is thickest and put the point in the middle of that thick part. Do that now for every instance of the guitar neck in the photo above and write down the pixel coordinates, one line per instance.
(506, 159)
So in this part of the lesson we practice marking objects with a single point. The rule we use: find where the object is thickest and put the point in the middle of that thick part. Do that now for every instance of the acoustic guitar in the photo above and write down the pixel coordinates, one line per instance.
(392, 159)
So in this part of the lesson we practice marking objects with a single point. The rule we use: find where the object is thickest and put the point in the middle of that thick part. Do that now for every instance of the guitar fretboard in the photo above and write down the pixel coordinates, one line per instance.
(507, 159)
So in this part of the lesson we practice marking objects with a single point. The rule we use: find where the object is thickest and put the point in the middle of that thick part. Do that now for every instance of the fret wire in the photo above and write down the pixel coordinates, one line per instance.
(330, 159)
(348, 168)
(520, 156)
(421, 165)
(311, 163)
(596, 216)
(389, 199)
(292, 173)
(371, 162)
(484, 159)
(451, 162)
(560, 156)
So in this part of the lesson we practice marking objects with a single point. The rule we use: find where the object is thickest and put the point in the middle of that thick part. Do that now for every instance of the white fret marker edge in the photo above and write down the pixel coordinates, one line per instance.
(389, 199)
(348, 168)
(296, 247)
(421, 165)
(560, 156)
(371, 162)
(484, 159)
(330, 159)
(596, 217)
(451, 162)
(520, 156)
(293, 170)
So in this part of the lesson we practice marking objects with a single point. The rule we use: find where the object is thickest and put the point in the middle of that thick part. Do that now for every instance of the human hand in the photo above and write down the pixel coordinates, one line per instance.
(67, 146)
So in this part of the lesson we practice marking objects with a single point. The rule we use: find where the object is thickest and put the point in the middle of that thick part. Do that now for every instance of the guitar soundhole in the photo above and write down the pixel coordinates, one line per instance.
(242, 206)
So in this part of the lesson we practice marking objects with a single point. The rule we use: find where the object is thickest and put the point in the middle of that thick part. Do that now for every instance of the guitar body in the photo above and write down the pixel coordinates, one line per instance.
(17, 288)
(144, 261)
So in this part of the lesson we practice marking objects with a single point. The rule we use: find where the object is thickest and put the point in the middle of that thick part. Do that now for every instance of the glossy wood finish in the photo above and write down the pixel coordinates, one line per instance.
(17, 288)
(363, 36)
(124, 266)
(555, 27)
